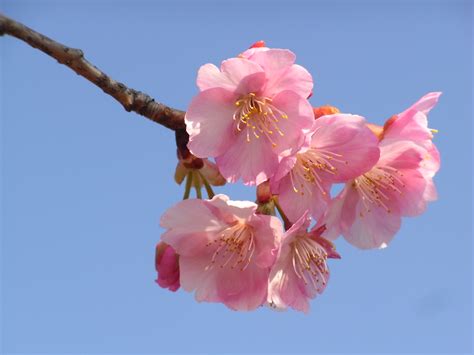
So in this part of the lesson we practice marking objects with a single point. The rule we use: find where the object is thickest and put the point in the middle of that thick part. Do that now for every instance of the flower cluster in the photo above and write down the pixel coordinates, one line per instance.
(253, 117)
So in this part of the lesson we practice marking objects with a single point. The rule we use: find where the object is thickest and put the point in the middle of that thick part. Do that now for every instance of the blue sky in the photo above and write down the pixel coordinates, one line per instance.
(84, 182)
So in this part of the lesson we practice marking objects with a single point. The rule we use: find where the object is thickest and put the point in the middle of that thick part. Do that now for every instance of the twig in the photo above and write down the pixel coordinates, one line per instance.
(131, 99)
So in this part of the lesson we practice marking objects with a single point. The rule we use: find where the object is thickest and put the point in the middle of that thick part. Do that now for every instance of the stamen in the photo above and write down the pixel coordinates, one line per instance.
(309, 261)
(259, 116)
(235, 247)
(377, 187)
(309, 166)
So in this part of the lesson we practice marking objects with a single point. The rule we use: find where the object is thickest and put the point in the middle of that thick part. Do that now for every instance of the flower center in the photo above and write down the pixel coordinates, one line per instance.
(258, 117)
(235, 246)
(308, 167)
(309, 261)
(376, 186)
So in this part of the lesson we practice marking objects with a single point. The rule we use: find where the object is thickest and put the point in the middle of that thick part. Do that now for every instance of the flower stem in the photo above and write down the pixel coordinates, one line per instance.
(189, 182)
(210, 192)
(285, 219)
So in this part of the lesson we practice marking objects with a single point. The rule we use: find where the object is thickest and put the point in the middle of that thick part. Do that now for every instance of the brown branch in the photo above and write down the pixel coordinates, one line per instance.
(131, 100)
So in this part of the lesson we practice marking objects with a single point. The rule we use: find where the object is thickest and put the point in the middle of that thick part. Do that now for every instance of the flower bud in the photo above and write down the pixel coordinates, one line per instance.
(167, 266)
(258, 44)
(324, 110)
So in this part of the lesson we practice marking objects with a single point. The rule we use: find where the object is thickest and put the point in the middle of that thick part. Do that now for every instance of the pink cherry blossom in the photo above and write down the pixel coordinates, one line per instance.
(368, 210)
(339, 148)
(225, 249)
(412, 125)
(166, 264)
(250, 113)
(300, 272)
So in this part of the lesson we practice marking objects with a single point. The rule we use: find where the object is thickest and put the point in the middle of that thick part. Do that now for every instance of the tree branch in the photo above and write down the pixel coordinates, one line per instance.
(131, 100)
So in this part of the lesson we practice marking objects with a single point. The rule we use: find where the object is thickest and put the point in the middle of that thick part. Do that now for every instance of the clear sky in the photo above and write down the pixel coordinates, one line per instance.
(84, 182)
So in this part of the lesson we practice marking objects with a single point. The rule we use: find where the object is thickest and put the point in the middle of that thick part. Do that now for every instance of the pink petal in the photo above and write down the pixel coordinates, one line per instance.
(238, 288)
(411, 201)
(374, 229)
(209, 122)
(271, 230)
(341, 213)
(300, 225)
(285, 289)
(230, 210)
(209, 77)
(431, 161)
(281, 72)
(351, 146)
(248, 53)
(246, 75)
(235, 75)
(243, 290)
(286, 164)
(430, 194)
(295, 78)
(400, 154)
(195, 276)
(296, 126)
(411, 125)
(426, 103)
(294, 204)
(190, 225)
(332, 218)
(275, 62)
(255, 161)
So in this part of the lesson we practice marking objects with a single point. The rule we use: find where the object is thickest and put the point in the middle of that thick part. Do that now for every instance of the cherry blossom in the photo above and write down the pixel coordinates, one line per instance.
(368, 210)
(301, 270)
(250, 113)
(412, 125)
(339, 148)
(225, 249)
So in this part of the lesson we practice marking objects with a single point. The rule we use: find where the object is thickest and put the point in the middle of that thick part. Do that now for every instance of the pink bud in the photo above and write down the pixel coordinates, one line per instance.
(258, 44)
(167, 266)
(324, 110)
